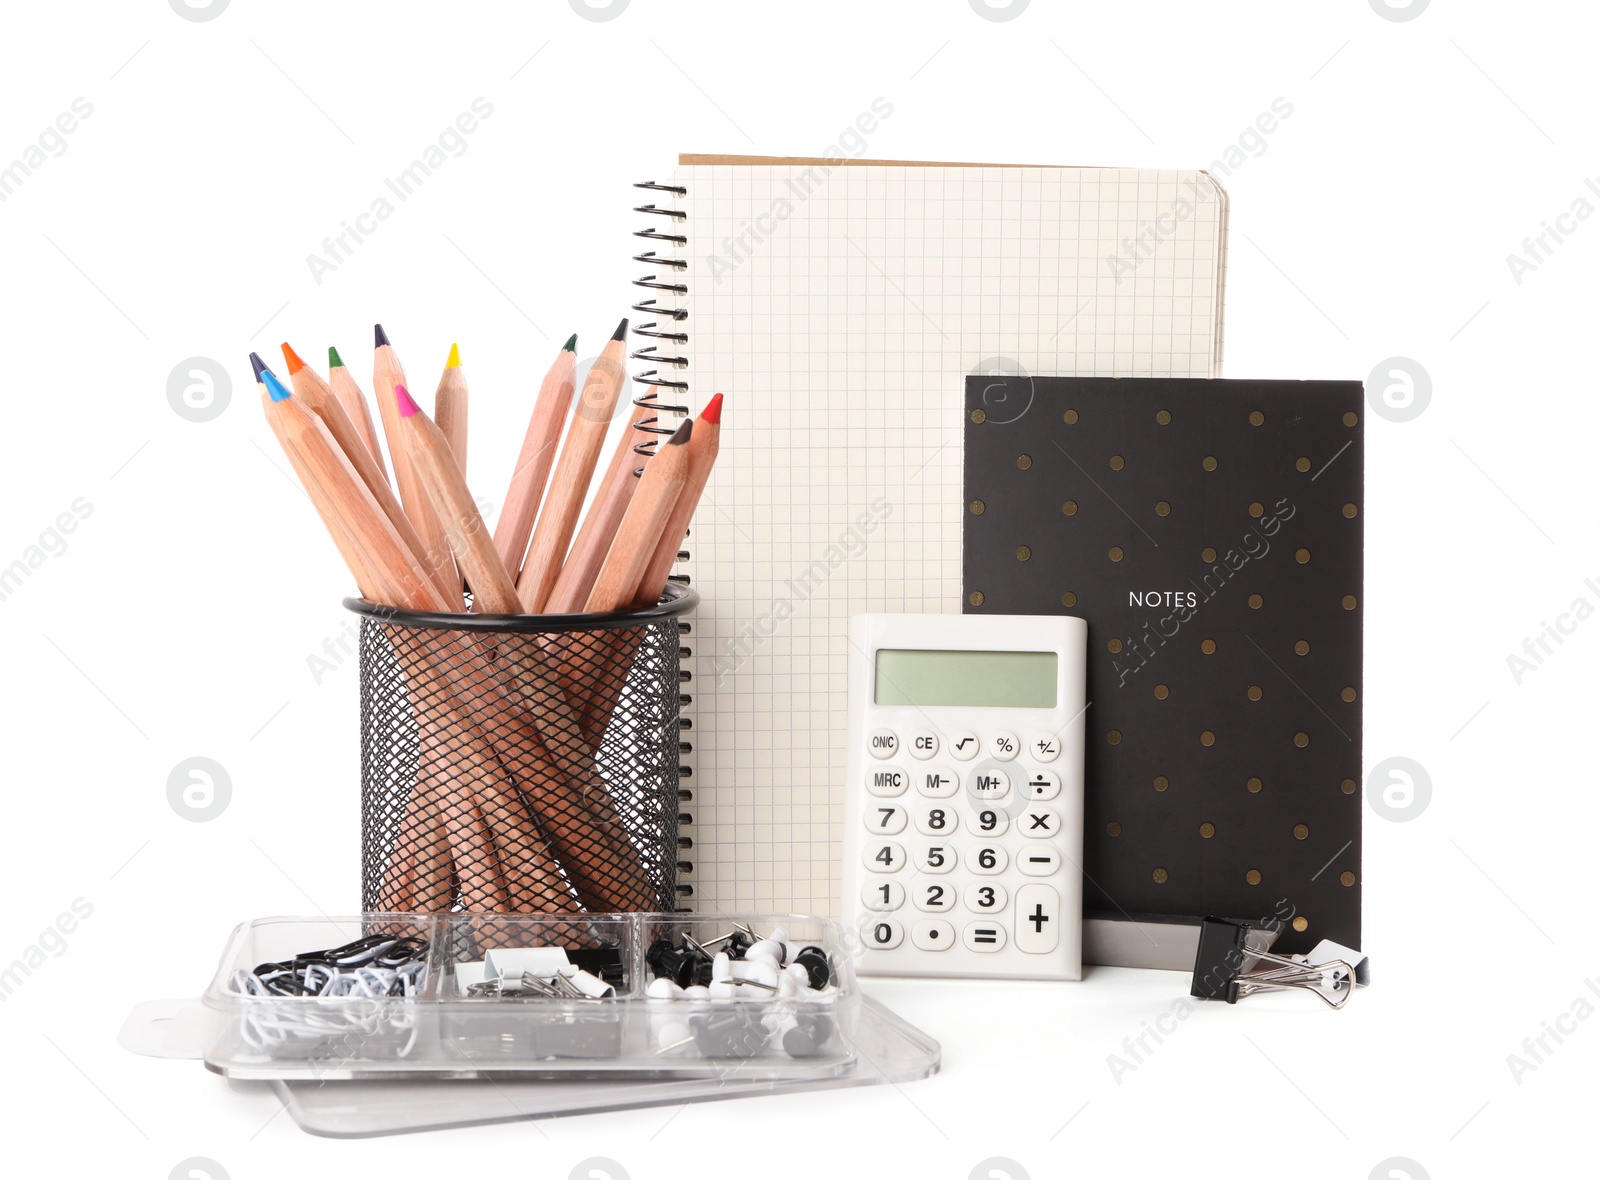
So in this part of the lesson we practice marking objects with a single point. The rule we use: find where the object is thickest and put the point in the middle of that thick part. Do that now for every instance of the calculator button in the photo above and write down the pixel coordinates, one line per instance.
(989, 783)
(984, 936)
(937, 897)
(988, 859)
(924, 744)
(887, 781)
(985, 898)
(936, 821)
(1039, 862)
(882, 934)
(931, 934)
(936, 858)
(1002, 746)
(937, 782)
(1040, 823)
(1038, 919)
(989, 821)
(964, 744)
(1045, 747)
(883, 856)
(1042, 784)
(882, 896)
(883, 743)
(887, 820)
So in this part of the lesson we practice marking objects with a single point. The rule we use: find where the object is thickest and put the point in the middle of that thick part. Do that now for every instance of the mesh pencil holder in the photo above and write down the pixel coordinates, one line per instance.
(521, 764)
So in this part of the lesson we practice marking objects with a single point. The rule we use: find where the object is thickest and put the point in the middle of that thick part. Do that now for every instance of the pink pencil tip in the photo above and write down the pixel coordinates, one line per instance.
(713, 411)
(408, 407)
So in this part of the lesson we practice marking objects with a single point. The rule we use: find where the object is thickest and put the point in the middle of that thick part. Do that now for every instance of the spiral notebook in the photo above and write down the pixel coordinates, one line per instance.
(840, 304)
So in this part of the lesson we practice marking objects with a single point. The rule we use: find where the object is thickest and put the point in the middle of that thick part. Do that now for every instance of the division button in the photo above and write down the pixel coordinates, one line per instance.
(1043, 784)
(883, 743)
(932, 934)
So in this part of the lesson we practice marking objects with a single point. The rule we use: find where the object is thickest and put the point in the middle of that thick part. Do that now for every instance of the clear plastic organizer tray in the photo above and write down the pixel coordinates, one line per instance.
(446, 1027)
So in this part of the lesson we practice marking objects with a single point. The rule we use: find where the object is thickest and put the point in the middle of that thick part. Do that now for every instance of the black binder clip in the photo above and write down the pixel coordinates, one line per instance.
(1232, 961)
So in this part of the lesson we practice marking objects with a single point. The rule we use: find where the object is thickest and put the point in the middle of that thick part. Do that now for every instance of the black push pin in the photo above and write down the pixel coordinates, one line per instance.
(815, 960)
(1226, 949)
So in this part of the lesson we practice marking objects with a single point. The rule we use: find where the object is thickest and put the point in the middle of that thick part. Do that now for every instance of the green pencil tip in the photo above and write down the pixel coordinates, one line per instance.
(333, 357)
(572, 343)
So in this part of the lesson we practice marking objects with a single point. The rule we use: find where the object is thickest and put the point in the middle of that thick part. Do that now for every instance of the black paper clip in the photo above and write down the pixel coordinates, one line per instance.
(1227, 949)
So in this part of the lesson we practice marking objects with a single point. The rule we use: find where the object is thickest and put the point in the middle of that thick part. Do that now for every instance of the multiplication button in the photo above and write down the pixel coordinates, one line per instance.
(1039, 823)
(883, 743)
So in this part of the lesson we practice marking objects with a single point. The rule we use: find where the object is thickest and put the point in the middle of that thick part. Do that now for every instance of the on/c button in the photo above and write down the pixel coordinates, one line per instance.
(1038, 919)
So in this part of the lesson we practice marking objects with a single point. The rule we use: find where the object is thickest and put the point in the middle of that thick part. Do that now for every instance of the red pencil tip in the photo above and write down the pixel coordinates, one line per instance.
(713, 411)
(407, 406)
(292, 359)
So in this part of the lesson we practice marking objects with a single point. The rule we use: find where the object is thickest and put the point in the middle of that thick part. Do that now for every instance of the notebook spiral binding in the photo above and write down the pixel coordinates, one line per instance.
(665, 333)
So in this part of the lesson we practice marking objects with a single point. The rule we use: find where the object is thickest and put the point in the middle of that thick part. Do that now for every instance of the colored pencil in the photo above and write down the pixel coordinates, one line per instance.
(599, 527)
(702, 454)
(434, 462)
(515, 526)
(558, 515)
(355, 406)
(313, 391)
(450, 408)
(640, 530)
(386, 374)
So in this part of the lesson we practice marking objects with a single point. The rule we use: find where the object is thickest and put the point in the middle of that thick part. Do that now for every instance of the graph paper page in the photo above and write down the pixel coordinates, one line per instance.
(839, 308)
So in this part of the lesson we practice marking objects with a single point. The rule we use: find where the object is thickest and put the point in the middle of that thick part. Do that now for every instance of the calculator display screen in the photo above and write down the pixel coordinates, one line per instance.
(980, 679)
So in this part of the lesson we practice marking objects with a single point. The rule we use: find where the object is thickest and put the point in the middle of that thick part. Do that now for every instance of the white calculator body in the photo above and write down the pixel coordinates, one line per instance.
(964, 824)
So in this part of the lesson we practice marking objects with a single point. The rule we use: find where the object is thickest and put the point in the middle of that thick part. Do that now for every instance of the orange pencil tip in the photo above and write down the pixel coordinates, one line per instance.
(713, 411)
(292, 359)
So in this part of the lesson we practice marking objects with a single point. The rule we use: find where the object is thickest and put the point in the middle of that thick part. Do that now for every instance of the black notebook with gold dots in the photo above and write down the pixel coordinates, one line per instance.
(1210, 532)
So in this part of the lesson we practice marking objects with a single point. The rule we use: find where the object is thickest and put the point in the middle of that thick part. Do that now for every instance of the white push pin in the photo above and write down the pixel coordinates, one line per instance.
(765, 949)
(663, 988)
(672, 1035)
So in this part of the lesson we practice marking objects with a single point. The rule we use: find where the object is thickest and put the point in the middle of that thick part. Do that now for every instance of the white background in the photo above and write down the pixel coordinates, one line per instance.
(178, 620)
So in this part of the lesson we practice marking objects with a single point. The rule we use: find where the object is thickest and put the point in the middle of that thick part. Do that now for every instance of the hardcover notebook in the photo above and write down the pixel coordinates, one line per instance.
(839, 303)
(1210, 532)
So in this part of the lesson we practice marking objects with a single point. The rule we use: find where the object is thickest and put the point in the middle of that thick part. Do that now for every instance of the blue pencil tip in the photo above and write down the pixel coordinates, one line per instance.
(274, 387)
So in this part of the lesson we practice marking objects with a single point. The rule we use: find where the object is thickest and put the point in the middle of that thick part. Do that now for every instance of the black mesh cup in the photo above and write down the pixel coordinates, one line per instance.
(521, 763)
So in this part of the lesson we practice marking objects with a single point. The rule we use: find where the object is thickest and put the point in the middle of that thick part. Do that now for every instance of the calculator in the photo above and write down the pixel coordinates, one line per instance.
(964, 823)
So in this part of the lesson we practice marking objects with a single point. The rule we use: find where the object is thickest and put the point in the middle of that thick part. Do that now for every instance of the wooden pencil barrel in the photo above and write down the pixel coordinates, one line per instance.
(571, 778)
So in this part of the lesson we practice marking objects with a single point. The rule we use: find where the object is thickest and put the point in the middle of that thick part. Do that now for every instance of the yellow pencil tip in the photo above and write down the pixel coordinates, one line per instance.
(455, 357)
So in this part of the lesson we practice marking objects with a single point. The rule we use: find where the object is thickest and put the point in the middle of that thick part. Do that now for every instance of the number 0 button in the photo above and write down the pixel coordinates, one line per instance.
(883, 934)
(884, 856)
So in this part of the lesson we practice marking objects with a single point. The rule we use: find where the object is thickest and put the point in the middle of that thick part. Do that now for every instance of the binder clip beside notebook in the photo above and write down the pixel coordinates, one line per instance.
(1232, 961)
